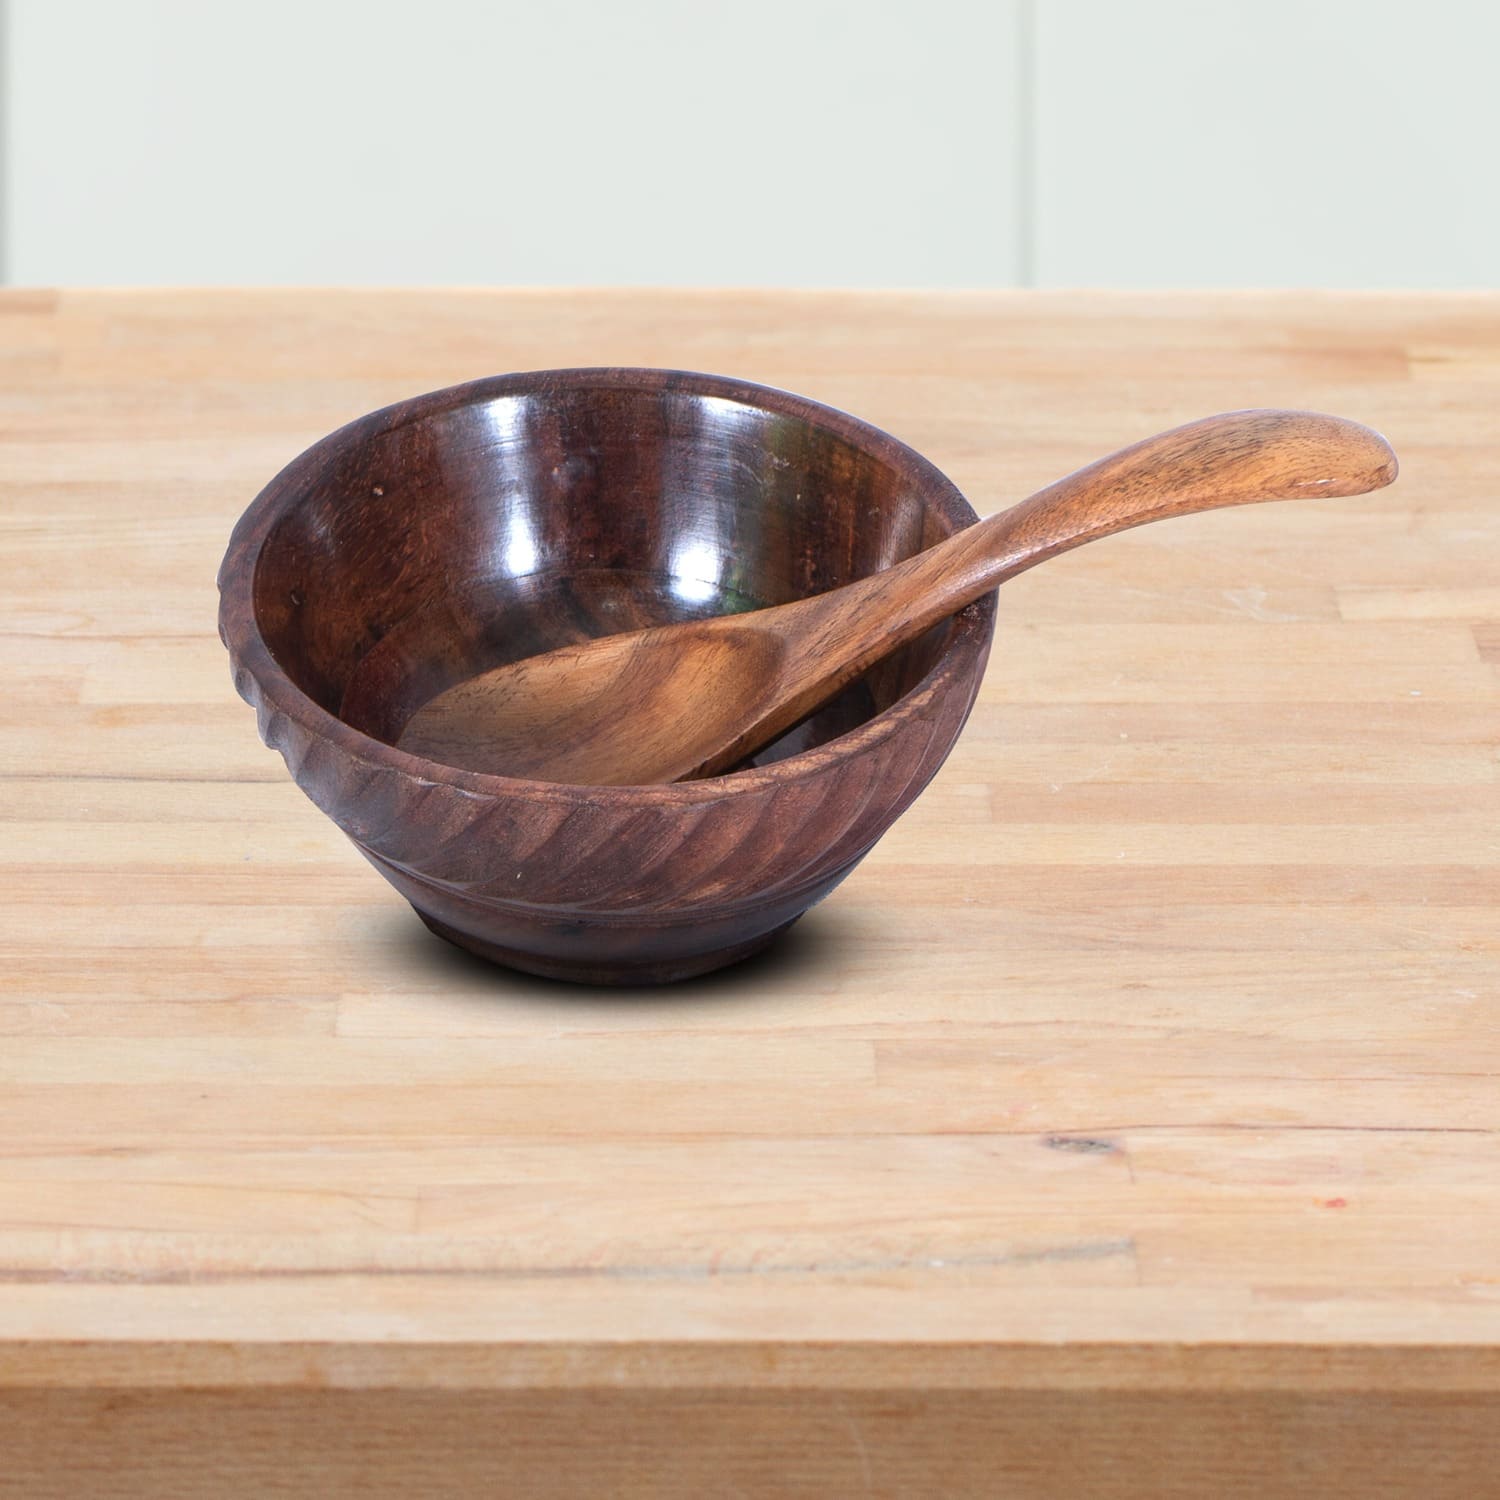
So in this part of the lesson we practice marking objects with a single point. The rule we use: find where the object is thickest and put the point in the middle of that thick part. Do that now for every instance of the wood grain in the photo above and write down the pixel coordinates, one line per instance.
(1127, 1123)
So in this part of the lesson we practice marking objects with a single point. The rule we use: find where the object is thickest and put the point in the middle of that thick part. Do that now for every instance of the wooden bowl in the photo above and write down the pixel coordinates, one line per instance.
(444, 535)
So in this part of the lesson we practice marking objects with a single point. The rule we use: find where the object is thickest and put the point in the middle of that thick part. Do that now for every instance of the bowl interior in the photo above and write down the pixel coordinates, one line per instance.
(417, 555)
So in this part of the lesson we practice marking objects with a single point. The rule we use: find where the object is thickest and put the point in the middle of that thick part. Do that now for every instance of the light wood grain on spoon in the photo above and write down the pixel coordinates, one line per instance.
(693, 699)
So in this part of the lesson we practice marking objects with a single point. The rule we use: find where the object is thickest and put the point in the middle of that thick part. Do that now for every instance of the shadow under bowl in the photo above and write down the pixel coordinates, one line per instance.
(443, 536)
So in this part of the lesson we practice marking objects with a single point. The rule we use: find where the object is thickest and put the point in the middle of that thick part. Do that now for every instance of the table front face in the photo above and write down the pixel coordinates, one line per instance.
(1168, 1013)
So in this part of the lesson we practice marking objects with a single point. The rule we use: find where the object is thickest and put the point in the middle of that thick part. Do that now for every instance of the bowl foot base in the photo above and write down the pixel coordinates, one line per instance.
(610, 972)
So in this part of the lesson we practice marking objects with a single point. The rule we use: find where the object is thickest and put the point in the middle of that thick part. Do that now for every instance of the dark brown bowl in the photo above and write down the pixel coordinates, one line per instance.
(477, 525)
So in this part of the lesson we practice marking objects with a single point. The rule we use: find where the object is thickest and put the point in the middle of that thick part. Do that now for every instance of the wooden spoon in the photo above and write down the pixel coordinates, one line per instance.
(691, 699)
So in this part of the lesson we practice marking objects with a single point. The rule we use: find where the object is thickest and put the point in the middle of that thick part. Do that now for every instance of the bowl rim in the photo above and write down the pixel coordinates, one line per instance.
(262, 681)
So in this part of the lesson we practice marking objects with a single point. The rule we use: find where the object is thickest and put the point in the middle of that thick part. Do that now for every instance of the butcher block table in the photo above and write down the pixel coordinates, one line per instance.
(1126, 1125)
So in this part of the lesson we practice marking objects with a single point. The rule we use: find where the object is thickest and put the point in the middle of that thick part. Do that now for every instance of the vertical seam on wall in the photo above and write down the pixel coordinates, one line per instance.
(1025, 142)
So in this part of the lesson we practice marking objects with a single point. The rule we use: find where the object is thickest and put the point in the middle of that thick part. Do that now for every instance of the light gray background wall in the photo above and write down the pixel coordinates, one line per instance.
(773, 142)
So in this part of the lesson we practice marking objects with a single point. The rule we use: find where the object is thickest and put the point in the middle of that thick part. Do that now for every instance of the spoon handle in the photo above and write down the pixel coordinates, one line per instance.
(1233, 459)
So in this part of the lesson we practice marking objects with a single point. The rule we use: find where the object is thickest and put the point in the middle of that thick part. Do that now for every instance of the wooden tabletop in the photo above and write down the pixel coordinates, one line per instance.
(1129, 1118)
